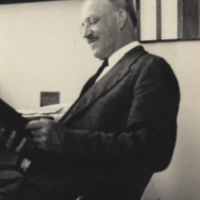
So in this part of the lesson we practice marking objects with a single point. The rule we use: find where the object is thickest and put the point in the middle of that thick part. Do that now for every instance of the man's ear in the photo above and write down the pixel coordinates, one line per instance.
(122, 18)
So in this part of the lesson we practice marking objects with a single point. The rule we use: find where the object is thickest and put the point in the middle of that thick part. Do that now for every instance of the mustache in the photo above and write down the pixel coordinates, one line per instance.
(91, 39)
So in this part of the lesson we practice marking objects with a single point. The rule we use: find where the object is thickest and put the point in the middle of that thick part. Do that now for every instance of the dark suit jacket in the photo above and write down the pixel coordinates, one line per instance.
(125, 124)
(117, 135)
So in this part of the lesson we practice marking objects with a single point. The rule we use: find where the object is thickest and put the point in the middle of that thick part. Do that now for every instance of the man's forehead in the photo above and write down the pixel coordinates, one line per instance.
(95, 7)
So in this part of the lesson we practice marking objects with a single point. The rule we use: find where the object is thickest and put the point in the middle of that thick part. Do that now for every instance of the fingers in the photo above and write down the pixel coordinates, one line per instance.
(19, 148)
(44, 133)
(11, 139)
(38, 133)
(40, 137)
(40, 140)
(40, 128)
(2, 132)
(45, 138)
(37, 124)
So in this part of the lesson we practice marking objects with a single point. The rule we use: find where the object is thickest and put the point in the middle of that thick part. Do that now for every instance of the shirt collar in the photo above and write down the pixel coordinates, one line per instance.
(115, 57)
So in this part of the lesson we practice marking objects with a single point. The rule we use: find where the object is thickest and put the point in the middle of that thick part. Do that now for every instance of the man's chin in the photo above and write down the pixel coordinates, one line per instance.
(98, 55)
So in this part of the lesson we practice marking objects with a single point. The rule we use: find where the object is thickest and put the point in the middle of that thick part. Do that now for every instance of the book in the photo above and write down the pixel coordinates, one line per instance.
(17, 120)
(11, 120)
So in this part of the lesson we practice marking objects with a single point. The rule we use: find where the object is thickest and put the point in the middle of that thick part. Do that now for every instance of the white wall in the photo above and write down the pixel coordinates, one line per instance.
(182, 179)
(41, 50)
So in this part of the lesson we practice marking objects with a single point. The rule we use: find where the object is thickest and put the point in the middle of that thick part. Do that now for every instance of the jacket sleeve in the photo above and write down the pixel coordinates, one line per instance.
(150, 130)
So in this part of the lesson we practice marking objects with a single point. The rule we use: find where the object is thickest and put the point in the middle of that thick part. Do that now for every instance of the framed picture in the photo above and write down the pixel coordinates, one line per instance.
(49, 98)
(171, 20)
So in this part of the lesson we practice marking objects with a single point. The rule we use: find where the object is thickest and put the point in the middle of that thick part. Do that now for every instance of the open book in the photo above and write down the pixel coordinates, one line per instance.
(54, 112)
(12, 120)
(17, 120)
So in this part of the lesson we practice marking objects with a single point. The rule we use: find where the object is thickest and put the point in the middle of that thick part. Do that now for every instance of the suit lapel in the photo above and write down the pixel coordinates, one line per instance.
(106, 83)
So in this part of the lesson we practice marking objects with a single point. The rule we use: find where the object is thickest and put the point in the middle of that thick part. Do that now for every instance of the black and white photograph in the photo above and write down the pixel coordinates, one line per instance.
(99, 100)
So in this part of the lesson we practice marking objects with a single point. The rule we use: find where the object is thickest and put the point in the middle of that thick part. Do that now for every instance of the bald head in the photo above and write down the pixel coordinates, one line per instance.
(128, 6)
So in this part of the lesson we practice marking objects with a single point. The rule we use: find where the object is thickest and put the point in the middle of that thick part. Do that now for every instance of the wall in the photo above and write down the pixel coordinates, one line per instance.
(41, 50)
(182, 178)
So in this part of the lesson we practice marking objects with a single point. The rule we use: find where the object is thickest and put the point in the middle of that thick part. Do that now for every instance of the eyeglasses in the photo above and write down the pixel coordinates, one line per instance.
(90, 22)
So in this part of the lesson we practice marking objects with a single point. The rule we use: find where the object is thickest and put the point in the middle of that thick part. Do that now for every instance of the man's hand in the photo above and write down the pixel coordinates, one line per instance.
(9, 142)
(47, 134)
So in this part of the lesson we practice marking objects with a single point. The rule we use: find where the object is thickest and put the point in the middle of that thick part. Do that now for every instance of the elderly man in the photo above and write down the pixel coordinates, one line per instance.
(121, 129)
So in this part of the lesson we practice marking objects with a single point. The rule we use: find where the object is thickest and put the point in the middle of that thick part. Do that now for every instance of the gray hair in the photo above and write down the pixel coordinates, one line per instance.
(128, 6)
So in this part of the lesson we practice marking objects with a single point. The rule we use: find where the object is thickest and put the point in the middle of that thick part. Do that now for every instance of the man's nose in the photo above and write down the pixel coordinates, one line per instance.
(87, 31)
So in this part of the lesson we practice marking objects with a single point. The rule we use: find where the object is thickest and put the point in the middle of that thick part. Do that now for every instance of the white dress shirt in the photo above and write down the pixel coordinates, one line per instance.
(115, 57)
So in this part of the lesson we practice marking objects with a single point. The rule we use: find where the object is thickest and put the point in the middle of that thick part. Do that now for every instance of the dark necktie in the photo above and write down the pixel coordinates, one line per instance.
(86, 87)
(92, 80)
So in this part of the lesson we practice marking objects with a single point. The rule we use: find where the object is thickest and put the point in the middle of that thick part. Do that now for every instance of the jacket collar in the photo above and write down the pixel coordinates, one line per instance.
(105, 84)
